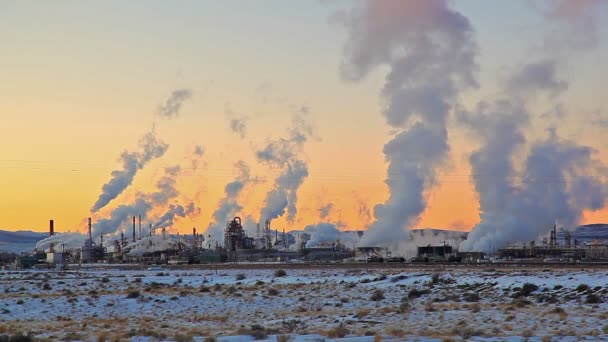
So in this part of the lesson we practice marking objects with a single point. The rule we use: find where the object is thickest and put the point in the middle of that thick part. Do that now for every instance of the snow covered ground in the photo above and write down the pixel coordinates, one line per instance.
(307, 305)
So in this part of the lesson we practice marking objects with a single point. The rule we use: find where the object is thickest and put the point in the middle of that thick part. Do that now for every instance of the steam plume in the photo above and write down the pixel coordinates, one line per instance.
(283, 153)
(430, 53)
(173, 103)
(151, 148)
(175, 210)
(328, 233)
(560, 178)
(228, 206)
(325, 210)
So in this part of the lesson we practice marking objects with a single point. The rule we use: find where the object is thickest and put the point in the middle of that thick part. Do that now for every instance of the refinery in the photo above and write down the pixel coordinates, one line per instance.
(139, 245)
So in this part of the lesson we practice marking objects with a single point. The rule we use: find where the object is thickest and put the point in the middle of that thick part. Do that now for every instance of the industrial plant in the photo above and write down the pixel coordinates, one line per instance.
(146, 246)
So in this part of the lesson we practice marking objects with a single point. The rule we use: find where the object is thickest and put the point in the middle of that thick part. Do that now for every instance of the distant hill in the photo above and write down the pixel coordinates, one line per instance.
(19, 241)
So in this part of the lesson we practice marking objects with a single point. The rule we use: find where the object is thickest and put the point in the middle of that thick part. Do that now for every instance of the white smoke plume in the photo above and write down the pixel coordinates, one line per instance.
(67, 241)
(560, 178)
(238, 124)
(228, 206)
(328, 233)
(430, 54)
(151, 244)
(325, 210)
(199, 152)
(132, 162)
(174, 210)
(575, 23)
(284, 153)
(173, 104)
(143, 203)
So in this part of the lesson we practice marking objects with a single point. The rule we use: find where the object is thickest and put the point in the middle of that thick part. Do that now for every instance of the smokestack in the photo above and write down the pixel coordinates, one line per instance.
(194, 232)
(51, 233)
(555, 233)
(140, 227)
(89, 230)
(133, 228)
(150, 229)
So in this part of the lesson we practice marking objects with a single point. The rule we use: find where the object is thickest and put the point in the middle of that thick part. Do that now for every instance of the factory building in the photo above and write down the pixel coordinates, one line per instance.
(554, 250)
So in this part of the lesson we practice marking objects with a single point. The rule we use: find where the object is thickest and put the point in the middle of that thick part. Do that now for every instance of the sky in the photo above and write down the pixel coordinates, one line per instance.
(84, 81)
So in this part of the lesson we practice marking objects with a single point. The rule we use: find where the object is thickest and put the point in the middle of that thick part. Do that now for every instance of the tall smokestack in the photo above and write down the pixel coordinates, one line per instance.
(89, 230)
(150, 229)
(194, 232)
(133, 228)
(140, 227)
(51, 233)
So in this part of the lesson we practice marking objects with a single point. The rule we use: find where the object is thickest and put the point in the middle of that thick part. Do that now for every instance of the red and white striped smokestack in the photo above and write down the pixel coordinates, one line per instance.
(133, 228)
(89, 230)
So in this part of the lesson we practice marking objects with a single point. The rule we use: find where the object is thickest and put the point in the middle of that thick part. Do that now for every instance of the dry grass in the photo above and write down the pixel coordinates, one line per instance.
(362, 312)
(397, 332)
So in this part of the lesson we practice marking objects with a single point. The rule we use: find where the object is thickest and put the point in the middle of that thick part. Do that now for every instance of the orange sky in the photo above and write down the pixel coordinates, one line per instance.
(83, 85)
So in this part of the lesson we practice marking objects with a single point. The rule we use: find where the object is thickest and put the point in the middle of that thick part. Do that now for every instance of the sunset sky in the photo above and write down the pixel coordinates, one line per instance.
(82, 81)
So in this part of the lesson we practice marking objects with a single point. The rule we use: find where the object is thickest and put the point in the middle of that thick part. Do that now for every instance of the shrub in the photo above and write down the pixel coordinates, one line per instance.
(46, 286)
(283, 338)
(435, 278)
(528, 288)
(105, 280)
(471, 297)
(338, 332)
(415, 293)
(240, 276)
(16, 338)
(362, 313)
(582, 288)
(20, 302)
(293, 325)
(398, 278)
(280, 273)
(404, 307)
(273, 292)
(204, 289)
(257, 331)
(593, 299)
(133, 294)
(377, 295)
